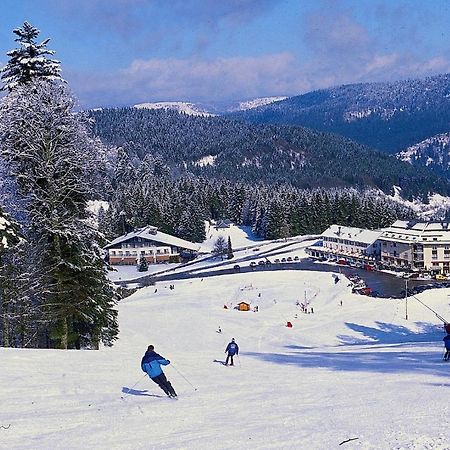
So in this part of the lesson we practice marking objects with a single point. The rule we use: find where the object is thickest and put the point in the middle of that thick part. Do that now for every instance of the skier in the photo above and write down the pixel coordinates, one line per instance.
(151, 364)
(232, 349)
(447, 347)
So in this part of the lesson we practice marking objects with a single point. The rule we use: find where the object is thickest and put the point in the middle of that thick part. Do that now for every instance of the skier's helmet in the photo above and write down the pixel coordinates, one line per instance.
(232, 339)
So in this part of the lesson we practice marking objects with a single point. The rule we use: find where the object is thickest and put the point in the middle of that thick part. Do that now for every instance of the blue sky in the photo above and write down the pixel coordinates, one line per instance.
(121, 52)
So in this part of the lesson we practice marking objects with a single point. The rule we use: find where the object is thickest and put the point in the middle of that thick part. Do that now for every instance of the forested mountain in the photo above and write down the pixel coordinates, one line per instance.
(216, 147)
(386, 116)
(433, 153)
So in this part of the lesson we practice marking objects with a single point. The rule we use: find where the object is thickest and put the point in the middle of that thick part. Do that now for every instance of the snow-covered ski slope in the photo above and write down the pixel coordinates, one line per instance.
(358, 371)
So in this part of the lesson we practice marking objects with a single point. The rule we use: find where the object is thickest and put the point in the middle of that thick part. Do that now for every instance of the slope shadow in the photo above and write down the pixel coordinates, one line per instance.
(365, 360)
(130, 391)
(386, 349)
(388, 333)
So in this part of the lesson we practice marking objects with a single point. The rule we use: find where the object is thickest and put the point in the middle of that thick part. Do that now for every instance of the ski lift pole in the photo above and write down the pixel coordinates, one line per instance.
(431, 309)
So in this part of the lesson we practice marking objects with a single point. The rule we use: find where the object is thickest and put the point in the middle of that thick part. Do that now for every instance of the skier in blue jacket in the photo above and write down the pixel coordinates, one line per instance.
(447, 347)
(151, 364)
(232, 349)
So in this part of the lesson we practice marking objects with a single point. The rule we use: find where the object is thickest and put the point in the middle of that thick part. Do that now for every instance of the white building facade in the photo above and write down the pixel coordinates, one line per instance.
(151, 243)
(354, 245)
(417, 246)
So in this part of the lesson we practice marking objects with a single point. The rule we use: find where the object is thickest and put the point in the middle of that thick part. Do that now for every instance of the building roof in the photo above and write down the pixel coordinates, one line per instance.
(417, 232)
(150, 233)
(354, 234)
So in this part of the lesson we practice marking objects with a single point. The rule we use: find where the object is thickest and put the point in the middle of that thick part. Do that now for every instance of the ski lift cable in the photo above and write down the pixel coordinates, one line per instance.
(431, 309)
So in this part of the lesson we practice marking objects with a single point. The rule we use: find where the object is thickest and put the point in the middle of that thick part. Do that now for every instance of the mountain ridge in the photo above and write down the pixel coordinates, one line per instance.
(386, 116)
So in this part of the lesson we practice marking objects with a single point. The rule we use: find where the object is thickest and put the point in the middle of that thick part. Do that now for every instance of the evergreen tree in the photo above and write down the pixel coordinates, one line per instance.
(143, 264)
(30, 61)
(230, 254)
(53, 159)
(220, 247)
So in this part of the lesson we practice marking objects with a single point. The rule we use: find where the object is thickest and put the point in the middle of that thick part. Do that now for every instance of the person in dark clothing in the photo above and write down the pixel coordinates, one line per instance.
(447, 347)
(232, 349)
(151, 364)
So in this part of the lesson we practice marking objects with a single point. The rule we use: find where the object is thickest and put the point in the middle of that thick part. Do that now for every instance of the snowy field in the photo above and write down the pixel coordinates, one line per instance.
(356, 374)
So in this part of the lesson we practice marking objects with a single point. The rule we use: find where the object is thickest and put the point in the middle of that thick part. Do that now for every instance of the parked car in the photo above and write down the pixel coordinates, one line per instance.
(268, 261)
(440, 277)
(283, 259)
(237, 267)
(289, 259)
(252, 264)
(261, 263)
(277, 260)
(296, 258)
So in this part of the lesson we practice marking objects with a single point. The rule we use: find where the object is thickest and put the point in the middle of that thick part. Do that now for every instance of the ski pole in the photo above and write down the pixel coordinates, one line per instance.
(239, 359)
(132, 387)
(183, 376)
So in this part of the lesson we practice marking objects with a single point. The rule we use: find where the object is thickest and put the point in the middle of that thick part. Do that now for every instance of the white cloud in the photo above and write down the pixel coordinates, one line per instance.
(241, 78)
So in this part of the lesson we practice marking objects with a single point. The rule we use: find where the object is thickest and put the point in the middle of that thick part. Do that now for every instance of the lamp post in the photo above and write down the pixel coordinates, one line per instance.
(406, 299)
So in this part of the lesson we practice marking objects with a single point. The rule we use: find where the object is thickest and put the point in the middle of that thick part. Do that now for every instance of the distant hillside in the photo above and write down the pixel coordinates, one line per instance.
(216, 147)
(433, 153)
(386, 116)
(181, 107)
(212, 108)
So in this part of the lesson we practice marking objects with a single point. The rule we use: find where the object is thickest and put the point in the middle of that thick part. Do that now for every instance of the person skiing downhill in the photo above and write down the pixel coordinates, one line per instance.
(151, 364)
(447, 347)
(232, 349)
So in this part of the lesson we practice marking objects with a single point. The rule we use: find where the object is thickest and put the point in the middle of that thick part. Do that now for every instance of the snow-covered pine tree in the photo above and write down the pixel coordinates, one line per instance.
(53, 158)
(30, 61)
(143, 264)
(220, 247)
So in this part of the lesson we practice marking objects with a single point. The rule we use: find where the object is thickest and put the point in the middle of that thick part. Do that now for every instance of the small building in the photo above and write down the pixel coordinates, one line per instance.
(222, 224)
(151, 243)
(243, 306)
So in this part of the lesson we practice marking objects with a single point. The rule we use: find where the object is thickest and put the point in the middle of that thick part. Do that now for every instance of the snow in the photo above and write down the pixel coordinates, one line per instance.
(434, 210)
(182, 107)
(262, 101)
(206, 161)
(359, 370)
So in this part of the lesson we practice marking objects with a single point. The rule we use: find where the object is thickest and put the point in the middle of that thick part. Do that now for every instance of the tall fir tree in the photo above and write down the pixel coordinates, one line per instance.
(53, 159)
(30, 61)
(230, 254)
(220, 247)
